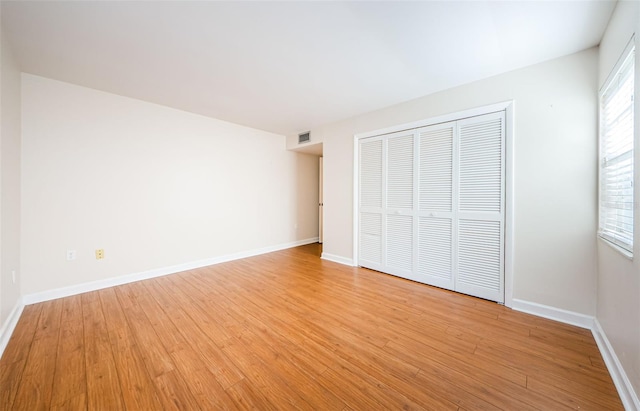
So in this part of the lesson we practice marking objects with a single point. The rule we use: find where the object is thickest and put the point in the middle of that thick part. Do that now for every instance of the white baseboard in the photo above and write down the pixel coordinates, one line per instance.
(9, 325)
(337, 259)
(623, 384)
(553, 313)
(158, 272)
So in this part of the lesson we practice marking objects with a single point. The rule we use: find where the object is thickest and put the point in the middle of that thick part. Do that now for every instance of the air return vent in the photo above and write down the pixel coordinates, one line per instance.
(304, 137)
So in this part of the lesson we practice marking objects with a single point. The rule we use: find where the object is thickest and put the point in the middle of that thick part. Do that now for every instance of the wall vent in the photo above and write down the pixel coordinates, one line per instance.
(304, 137)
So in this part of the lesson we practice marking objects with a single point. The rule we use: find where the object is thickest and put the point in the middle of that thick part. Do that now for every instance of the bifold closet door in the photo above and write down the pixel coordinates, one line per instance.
(435, 239)
(431, 205)
(481, 199)
(398, 215)
(370, 203)
(386, 222)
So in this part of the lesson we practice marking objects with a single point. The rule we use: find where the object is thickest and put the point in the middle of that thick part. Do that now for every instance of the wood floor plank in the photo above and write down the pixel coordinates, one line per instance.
(567, 394)
(547, 367)
(212, 324)
(103, 384)
(260, 376)
(435, 385)
(15, 355)
(196, 333)
(155, 357)
(185, 349)
(286, 365)
(18, 347)
(287, 330)
(378, 394)
(349, 391)
(172, 389)
(175, 392)
(70, 386)
(203, 385)
(36, 383)
(484, 386)
(12, 372)
(247, 397)
(138, 391)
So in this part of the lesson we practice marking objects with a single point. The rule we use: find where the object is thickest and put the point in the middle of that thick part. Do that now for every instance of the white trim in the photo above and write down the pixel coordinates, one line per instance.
(158, 272)
(9, 325)
(356, 199)
(478, 111)
(625, 253)
(614, 71)
(553, 313)
(509, 219)
(620, 380)
(337, 259)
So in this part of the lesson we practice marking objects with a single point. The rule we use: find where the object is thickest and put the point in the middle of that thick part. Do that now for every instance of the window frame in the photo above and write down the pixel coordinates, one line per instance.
(608, 236)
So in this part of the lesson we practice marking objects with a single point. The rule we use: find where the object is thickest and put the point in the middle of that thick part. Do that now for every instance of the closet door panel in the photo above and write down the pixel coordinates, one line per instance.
(480, 251)
(371, 174)
(435, 264)
(371, 238)
(371, 195)
(436, 168)
(399, 204)
(480, 259)
(435, 239)
(400, 172)
(481, 164)
(400, 244)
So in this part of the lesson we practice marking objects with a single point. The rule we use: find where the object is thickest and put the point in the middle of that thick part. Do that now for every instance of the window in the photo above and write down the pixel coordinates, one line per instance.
(616, 155)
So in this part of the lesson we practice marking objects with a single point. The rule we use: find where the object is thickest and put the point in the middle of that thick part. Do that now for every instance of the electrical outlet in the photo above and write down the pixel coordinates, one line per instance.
(13, 276)
(71, 255)
(100, 254)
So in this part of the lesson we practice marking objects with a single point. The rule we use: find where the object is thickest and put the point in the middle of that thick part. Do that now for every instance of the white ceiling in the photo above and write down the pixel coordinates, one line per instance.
(288, 67)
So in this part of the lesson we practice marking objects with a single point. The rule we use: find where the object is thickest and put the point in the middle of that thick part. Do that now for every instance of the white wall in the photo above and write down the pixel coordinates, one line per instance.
(152, 186)
(619, 278)
(9, 181)
(555, 173)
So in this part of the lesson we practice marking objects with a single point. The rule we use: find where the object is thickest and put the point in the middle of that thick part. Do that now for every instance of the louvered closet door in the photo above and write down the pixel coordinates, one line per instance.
(435, 206)
(432, 205)
(398, 237)
(371, 202)
(480, 225)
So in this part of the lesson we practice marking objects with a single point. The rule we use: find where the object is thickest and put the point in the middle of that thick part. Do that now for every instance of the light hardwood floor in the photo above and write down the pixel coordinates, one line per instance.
(287, 330)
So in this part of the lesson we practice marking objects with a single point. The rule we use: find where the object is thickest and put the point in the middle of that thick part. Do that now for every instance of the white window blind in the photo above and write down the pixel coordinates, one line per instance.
(616, 156)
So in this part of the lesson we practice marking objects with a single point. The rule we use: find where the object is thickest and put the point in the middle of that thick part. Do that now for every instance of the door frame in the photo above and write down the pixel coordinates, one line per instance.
(320, 199)
(508, 108)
